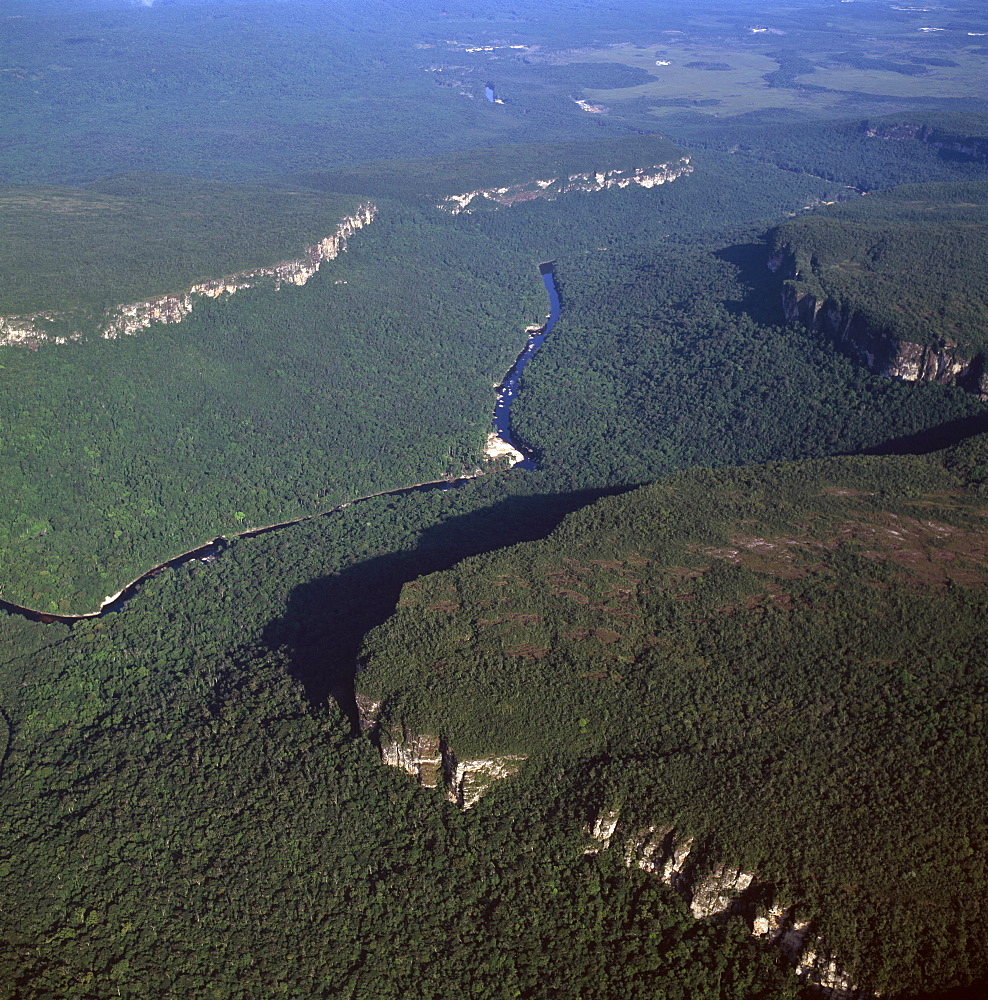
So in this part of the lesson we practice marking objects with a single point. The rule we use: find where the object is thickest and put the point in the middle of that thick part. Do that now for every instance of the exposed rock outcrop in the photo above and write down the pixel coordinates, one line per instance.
(126, 320)
(553, 187)
(719, 890)
(602, 829)
(468, 780)
(369, 711)
(969, 147)
(418, 754)
(713, 889)
(880, 351)
(431, 761)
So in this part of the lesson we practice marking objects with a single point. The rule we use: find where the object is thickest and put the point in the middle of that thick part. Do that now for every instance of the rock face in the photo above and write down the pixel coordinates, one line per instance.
(468, 780)
(553, 187)
(431, 761)
(713, 889)
(419, 754)
(878, 350)
(126, 320)
(966, 147)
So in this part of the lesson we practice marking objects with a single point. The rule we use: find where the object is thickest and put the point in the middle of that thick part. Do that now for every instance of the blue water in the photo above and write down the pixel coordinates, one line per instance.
(207, 553)
(509, 387)
(489, 92)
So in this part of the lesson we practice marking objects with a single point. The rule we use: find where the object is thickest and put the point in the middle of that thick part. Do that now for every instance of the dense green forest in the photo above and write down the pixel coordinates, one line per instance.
(909, 261)
(869, 153)
(729, 653)
(275, 404)
(133, 237)
(256, 409)
(783, 661)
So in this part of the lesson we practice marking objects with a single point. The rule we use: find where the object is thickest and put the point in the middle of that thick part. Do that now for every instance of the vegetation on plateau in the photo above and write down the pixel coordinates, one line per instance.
(784, 659)
(909, 261)
(784, 662)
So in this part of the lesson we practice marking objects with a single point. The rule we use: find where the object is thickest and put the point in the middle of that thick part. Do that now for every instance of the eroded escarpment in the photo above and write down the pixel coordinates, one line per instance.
(32, 330)
(713, 889)
(881, 351)
(431, 760)
(552, 187)
(967, 147)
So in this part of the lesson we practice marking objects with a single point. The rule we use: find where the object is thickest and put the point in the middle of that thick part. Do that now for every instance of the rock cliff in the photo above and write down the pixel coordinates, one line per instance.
(879, 350)
(712, 889)
(969, 147)
(129, 319)
(552, 187)
(431, 760)
(709, 887)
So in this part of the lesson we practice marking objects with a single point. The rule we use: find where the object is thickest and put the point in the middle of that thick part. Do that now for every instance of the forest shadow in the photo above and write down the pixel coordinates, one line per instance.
(762, 298)
(932, 438)
(327, 618)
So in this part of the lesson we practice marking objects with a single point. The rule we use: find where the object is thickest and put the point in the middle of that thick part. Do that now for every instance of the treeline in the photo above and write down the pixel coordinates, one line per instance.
(784, 662)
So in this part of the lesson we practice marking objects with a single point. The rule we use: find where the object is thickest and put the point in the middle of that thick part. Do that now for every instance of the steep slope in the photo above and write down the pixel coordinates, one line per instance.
(783, 663)
(897, 279)
(127, 319)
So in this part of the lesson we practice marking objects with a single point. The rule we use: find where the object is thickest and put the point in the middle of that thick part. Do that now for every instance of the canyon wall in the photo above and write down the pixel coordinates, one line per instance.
(126, 320)
(432, 761)
(881, 352)
(712, 889)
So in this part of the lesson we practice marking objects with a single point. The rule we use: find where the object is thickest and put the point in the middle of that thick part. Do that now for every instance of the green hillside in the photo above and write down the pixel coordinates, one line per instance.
(783, 661)
(187, 784)
(134, 237)
(909, 261)
(257, 408)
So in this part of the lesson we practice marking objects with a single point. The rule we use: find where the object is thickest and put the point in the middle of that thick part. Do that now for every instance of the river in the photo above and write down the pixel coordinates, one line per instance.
(507, 392)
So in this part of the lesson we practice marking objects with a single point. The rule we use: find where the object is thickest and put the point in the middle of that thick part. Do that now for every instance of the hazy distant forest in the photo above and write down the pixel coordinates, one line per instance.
(268, 262)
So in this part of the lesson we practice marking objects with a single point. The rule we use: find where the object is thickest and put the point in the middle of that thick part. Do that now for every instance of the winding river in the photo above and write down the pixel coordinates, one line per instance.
(507, 392)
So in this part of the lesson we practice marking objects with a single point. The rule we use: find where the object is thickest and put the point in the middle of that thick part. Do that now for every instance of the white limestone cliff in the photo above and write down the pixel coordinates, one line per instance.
(713, 889)
(131, 318)
(468, 780)
(878, 350)
(552, 187)
(431, 761)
